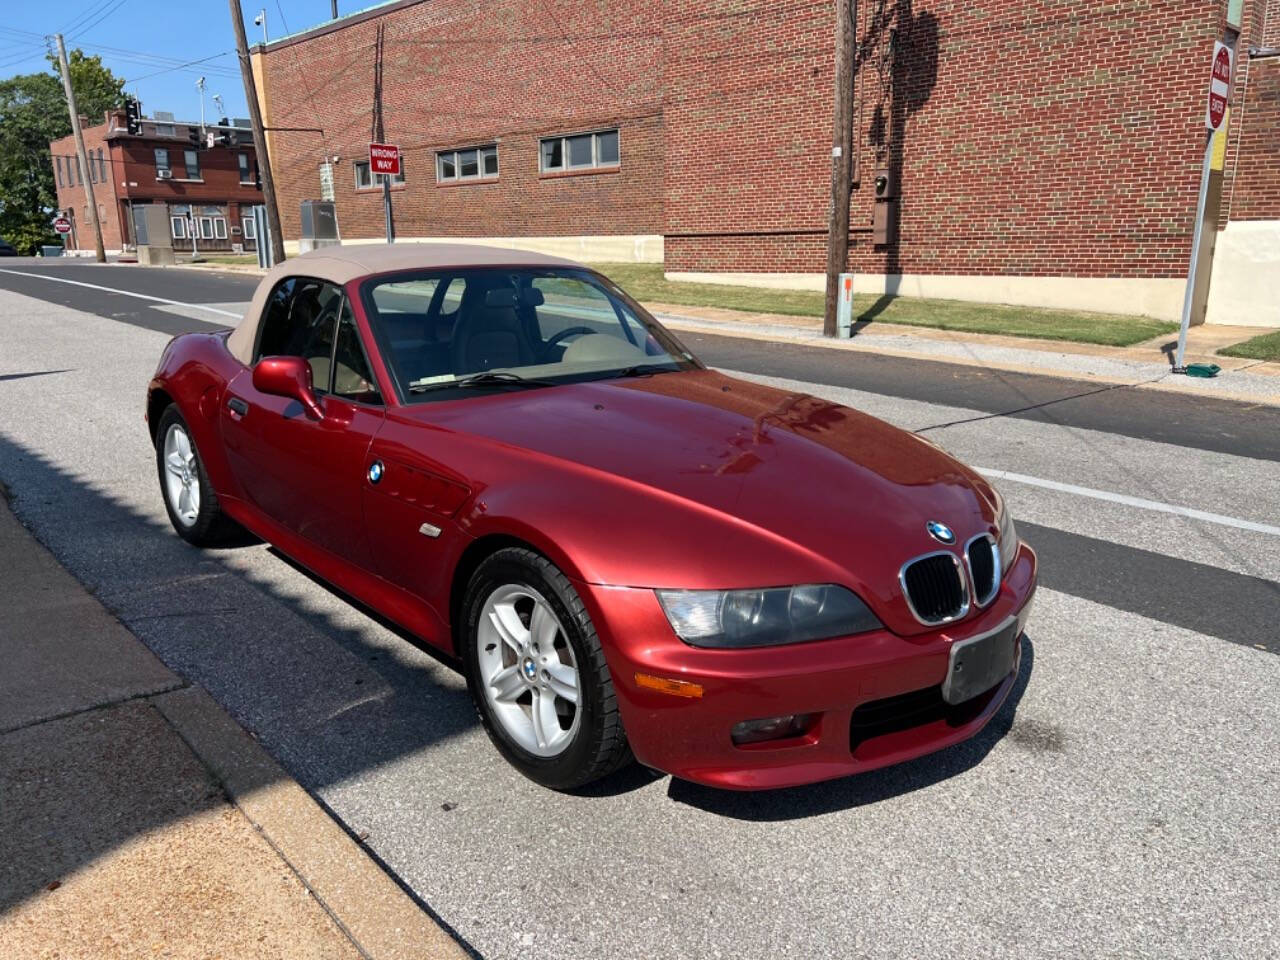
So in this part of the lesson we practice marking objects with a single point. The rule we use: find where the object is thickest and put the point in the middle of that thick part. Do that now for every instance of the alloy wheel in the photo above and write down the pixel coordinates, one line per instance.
(529, 670)
(181, 475)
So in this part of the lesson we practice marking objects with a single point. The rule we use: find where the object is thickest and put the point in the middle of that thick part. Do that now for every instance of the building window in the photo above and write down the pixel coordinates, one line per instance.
(366, 181)
(583, 151)
(102, 167)
(93, 172)
(162, 163)
(206, 228)
(192, 161)
(165, 130)
(246, 174)
(474, 163)
(250, 228)
(219, 228)
(178, 227)
(58, 164)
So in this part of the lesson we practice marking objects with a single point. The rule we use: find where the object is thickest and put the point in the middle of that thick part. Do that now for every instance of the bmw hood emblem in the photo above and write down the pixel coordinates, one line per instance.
(940, 532)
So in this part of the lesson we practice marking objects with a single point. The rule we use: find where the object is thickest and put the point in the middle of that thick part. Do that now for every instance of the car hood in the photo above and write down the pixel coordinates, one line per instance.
(824, 490)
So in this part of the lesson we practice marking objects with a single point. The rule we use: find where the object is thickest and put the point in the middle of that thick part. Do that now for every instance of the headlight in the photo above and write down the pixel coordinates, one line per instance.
(759, 618)
(1008, 537)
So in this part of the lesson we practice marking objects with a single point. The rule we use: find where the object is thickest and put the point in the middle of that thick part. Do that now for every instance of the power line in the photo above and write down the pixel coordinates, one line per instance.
(80, 31)
(181, 66)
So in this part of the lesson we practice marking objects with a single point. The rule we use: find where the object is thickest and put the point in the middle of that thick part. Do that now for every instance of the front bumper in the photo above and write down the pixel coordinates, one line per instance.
(873, 694)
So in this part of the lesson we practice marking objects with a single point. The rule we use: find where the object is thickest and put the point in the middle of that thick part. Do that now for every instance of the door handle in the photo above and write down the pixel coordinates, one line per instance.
(237, 406)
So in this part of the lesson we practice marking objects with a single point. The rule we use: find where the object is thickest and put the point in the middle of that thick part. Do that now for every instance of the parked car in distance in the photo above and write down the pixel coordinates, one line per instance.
(7, 249)
(628, 554)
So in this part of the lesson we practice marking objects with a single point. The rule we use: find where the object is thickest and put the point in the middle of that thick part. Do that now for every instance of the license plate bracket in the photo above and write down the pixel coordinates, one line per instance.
(979, 663)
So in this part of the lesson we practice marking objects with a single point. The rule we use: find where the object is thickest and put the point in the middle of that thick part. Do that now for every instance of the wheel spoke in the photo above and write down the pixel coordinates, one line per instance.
(507, 622)
(543, 627)
(564, 681)
(507, 684)
(184, 503)
(183, 443)
(174, 463)
(546, 725)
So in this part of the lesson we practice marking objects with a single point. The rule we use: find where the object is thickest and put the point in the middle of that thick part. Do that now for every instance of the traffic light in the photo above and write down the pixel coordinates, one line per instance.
(133, 116)
(195, 136)
(224, 138)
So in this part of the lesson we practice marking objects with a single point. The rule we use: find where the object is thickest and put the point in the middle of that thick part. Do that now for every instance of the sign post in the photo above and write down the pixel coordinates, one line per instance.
(1215, 111)
(384, 159)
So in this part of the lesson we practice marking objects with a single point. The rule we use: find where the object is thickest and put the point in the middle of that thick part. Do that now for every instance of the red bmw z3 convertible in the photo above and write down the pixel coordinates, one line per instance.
(631, 555)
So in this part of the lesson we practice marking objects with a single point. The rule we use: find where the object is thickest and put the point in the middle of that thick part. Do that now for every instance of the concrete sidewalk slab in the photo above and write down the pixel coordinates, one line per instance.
(140, 825)
(62, 652)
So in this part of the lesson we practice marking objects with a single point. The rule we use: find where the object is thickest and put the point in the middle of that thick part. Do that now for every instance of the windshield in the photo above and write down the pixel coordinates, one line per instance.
(445, 332)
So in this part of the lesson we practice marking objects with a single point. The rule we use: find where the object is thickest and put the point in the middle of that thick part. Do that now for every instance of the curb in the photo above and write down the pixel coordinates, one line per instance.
(375, 913)
(1155, 377)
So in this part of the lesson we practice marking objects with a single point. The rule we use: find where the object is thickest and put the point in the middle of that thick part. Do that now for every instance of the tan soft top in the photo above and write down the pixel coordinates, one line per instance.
(342, 264)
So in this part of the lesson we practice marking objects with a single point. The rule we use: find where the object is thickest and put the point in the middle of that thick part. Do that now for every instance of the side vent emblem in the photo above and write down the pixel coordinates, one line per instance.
(375, 471)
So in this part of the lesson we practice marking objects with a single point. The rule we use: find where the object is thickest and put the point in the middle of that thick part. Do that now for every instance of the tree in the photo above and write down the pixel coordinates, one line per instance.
(33, 112)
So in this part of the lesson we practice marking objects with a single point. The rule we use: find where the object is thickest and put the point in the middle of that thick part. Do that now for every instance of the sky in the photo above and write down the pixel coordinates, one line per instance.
(143, 40)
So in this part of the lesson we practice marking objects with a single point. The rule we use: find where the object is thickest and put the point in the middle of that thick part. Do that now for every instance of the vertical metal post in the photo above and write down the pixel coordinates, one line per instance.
(1179, 366)
(81, 156)
(386, 206)
(841, 158)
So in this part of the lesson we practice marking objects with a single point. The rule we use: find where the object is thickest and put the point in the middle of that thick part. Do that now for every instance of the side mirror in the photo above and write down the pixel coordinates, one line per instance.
(288, 377)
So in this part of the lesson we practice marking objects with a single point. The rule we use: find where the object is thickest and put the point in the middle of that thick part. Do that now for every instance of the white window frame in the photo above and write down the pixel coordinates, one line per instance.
(206, 227)
(249, 227)
(178, 227)
(219, 228)
(595, 164)
(458, 177)
(375, 179)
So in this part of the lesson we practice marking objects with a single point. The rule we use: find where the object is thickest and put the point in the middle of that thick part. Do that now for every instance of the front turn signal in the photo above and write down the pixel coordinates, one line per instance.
(675, 688)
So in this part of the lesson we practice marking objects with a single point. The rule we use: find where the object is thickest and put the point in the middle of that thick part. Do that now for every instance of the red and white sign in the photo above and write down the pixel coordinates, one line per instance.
(62, 225)
(384, 158)
(1219, 86)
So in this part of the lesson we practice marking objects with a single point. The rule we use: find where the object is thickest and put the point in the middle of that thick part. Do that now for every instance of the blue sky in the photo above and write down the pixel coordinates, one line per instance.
(142, 40)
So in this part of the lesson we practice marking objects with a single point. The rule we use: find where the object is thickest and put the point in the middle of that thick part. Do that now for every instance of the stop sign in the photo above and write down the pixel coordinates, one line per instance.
(62, 225)
(1219, 86)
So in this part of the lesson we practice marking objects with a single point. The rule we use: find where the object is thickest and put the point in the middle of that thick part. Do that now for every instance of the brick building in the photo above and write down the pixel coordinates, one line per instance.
(208, 192)
(1043, 153)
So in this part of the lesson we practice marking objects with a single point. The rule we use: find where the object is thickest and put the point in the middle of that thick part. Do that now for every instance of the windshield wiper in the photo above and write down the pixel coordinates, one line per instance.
(643, 370)
(485, 379)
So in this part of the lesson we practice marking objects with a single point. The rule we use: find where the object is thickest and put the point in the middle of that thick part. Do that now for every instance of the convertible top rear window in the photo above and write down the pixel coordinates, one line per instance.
(447, 333)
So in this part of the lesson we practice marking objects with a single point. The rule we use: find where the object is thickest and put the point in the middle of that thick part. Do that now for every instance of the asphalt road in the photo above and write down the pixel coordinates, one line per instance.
(1125, 803)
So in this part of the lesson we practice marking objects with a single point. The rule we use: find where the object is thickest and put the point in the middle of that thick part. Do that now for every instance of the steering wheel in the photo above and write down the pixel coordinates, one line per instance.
(562, 335)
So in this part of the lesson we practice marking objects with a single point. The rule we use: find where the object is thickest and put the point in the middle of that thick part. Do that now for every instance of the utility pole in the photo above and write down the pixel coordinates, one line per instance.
(841, 160)
(259, 135)
(334, 6)
(81, 156)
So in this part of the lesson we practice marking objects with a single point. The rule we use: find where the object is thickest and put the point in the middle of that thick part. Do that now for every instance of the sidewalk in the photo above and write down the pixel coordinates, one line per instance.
(137, 819)
(1145, 364)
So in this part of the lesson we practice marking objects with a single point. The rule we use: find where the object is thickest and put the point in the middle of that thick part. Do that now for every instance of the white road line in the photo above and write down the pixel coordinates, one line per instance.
(1138, 502)
(125, 293)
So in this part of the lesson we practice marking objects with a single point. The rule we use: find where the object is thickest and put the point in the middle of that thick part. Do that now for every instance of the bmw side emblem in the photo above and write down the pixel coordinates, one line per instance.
(375, 471)
(939, 531)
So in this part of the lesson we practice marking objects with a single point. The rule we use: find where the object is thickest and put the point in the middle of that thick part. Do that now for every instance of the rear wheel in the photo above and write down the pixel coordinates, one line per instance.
(537, 673)
(188, 496)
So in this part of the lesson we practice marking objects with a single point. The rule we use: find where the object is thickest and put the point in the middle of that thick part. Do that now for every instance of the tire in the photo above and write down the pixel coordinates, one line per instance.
(205, 525)
(586, 741)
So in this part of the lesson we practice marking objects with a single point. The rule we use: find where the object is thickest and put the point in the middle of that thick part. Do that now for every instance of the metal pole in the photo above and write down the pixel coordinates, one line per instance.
(81, 156)
(259, 135)
(333, 4)
(1178, 365)
(841, 151)
(386, 206)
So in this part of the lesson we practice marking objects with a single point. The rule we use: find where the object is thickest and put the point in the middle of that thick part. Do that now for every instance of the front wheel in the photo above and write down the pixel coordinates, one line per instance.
(537, 673)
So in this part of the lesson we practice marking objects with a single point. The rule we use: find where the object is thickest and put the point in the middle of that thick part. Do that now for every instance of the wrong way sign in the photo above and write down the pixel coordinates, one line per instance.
(384, 158)
(1219, 86)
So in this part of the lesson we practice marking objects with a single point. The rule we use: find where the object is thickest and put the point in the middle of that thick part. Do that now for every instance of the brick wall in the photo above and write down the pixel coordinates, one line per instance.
(1030, 138)
(72, 195)
(466, 73)
(1251, 190)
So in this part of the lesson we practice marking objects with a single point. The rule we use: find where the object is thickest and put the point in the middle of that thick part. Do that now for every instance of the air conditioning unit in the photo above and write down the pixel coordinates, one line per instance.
(164, 174)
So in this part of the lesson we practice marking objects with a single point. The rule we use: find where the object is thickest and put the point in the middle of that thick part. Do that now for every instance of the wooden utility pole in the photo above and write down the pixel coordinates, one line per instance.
(259, 135)
(81, 156)
(841, 160)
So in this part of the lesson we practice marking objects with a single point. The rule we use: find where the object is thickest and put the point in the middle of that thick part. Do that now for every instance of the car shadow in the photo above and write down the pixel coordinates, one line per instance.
(861, 789)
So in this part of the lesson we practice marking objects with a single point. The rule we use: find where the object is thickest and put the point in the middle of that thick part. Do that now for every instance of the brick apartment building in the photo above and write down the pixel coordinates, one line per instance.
(1043, 153)
(208, 192)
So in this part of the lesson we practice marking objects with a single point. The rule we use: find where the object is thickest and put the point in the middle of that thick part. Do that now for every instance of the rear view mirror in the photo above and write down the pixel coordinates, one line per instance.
(288, 377)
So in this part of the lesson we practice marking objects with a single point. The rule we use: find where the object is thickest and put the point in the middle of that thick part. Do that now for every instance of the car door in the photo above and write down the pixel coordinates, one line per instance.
(306, 473)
